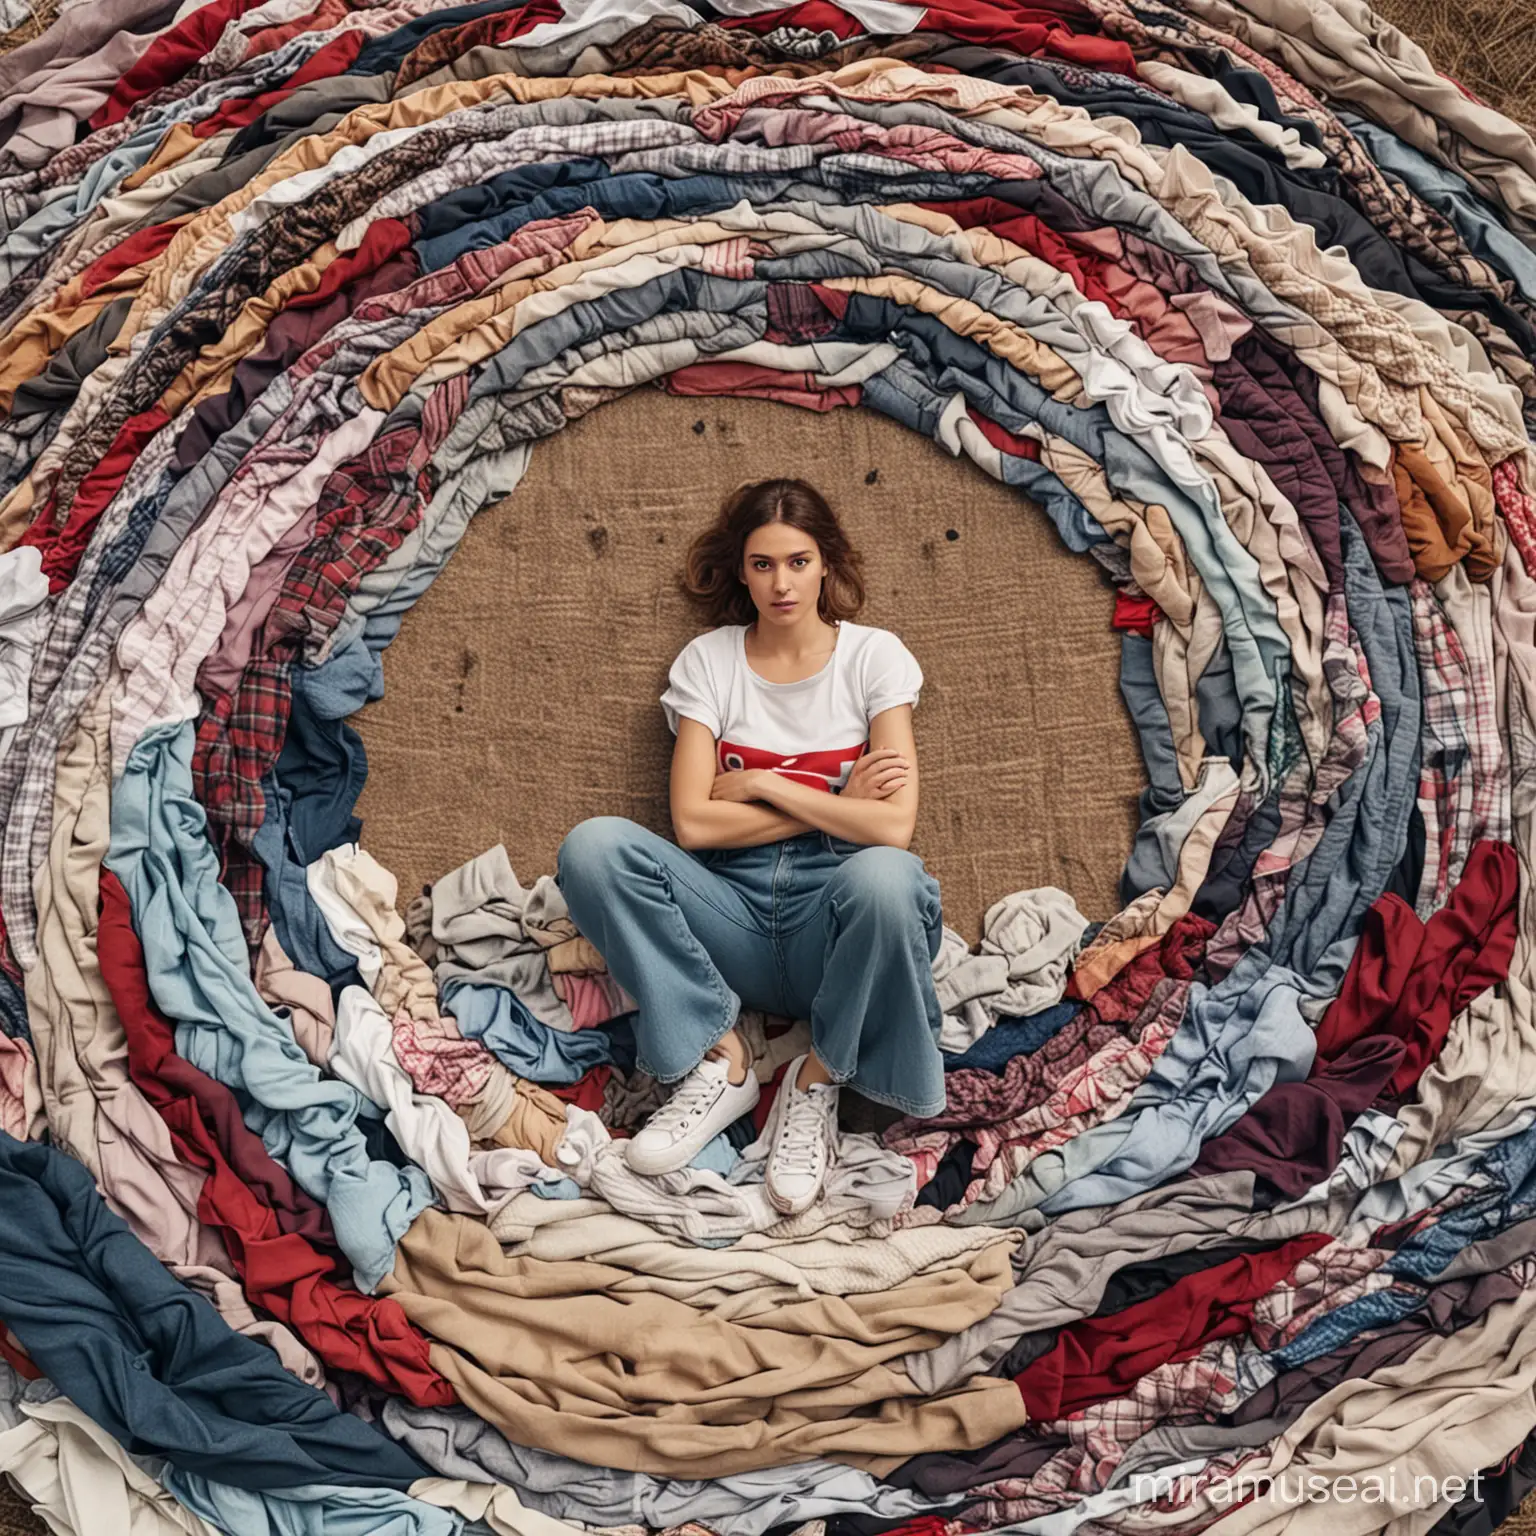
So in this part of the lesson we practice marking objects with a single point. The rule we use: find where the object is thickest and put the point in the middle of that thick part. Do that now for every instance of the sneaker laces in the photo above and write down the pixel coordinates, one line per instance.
(695, 1093)
(801, 1133)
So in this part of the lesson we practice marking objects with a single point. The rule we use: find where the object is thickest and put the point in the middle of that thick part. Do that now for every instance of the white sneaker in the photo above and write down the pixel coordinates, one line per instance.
(701, 1106)
(802, 1130)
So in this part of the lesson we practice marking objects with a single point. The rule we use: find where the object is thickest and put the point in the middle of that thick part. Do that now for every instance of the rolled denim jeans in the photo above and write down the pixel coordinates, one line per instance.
(813, 927)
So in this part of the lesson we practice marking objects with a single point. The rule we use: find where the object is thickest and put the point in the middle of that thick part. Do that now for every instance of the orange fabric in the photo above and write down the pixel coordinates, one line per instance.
(1437, 520)
(176, 145)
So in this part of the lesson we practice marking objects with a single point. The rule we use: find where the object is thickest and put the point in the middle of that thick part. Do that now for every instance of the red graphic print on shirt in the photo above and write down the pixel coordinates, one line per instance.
(827, 770)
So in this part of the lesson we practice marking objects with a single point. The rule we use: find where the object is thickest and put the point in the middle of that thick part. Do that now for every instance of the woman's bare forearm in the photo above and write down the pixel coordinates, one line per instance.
(856, 819)
(731, 824)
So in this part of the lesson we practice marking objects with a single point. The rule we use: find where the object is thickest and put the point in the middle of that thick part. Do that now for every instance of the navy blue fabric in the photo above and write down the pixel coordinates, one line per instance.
(645, 195)
(1231, 867)
(950, 1179)
(13, 1010)
(1249, 86)
(1012, 1037)
(1503, 1187)
(301, 928)
(501, 193)
(150, 1360)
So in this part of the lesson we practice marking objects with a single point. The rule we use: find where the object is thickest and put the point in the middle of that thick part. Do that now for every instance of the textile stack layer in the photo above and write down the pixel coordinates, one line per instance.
(316, 1213)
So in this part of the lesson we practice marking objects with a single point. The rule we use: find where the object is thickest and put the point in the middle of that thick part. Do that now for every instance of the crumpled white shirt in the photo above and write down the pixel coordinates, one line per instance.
(80, 1480)
(23, 618)
(1022, 965)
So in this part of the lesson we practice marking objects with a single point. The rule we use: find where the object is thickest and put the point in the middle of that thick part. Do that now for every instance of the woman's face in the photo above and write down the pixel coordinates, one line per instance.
(782, 568)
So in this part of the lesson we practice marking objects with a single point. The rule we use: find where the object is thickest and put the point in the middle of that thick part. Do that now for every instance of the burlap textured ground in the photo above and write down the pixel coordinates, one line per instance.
(41, 16)
(522, 691)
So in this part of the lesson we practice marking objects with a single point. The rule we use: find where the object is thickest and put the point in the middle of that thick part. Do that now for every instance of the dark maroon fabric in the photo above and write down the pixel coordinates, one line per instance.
(1406, 982)
(1409, 979)
(1293, 1137)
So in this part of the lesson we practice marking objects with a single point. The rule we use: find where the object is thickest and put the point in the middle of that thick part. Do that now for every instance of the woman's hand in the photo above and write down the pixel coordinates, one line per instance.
(740, 785)
(877, 775)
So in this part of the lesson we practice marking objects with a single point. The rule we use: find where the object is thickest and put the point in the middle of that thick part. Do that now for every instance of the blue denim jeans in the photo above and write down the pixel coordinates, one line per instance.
(812, 928)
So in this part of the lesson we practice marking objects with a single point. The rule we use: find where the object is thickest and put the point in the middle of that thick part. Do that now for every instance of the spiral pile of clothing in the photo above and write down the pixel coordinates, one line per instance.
(315, 1215)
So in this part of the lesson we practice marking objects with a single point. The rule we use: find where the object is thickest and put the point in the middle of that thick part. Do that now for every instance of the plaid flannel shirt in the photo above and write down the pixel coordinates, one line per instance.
(367, 507)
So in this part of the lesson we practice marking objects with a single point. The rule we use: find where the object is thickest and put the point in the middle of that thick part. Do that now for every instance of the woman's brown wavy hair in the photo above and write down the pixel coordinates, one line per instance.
(712, 575)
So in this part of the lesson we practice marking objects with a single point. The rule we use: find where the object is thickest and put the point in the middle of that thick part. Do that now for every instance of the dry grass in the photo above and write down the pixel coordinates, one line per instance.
(43, 13)
(1488, 45)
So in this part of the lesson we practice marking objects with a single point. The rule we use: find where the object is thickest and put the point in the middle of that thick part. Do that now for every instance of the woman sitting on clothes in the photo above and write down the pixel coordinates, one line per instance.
(790, 887)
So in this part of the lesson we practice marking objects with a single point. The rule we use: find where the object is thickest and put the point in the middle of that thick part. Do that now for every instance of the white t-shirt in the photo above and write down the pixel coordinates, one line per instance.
(813, 730)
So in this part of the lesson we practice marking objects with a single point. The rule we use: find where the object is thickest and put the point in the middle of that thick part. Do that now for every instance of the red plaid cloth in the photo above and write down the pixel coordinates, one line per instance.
(367, 507)
(1098, 1437)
